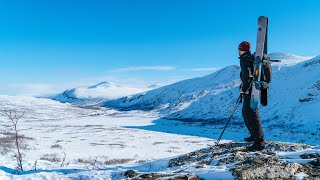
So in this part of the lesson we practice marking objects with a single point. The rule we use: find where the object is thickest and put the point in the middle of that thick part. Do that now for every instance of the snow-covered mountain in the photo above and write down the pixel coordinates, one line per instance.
(294, 96)
(287, 59)
(102, 91)
(181, 94)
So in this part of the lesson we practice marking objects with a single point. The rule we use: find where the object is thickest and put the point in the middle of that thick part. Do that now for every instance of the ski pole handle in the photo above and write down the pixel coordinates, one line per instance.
(272, 60)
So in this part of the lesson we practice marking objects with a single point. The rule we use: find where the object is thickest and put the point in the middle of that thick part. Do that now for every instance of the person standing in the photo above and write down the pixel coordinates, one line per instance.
(250, 116)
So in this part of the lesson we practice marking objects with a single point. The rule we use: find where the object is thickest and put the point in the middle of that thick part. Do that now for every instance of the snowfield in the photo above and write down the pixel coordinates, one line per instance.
(51, 129)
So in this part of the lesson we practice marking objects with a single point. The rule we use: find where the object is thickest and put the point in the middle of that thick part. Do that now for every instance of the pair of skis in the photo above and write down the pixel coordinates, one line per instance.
(261, 49)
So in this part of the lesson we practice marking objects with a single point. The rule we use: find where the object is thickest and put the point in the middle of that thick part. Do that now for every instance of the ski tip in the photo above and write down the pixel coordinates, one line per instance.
(261, 18)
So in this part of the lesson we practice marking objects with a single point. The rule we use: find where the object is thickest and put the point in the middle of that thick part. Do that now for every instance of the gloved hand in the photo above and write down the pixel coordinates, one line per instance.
(241, 92)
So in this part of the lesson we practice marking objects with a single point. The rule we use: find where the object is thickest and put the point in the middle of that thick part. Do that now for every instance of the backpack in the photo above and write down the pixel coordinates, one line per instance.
(266, 72)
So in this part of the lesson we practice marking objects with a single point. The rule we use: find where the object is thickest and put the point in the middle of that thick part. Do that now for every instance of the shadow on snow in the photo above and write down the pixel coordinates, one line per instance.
(201, 128)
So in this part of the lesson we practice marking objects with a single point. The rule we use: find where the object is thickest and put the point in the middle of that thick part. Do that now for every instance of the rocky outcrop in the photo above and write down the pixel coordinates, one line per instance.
(274, 162)
(262, 166)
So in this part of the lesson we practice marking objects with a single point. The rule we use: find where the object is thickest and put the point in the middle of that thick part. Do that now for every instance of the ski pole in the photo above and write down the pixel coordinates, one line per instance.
(234, 110)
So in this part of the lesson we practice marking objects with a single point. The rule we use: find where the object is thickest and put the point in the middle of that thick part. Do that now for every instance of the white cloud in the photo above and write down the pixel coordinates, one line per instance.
(142, 68)
(109, 92)
(204, 69)
(129, 86)
(31, 89)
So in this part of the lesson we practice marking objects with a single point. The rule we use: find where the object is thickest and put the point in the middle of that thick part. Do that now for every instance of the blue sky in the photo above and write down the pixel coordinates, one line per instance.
(46, 46)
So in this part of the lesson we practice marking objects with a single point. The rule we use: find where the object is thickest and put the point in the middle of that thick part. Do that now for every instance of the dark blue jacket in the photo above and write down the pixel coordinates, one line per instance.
(246, 75)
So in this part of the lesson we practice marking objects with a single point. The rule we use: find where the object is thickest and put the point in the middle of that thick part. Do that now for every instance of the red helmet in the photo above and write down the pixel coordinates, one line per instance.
(244, 46)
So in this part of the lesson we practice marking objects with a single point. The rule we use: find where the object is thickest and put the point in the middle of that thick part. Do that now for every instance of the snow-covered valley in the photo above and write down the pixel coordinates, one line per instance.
(61, 141)
(50, 129)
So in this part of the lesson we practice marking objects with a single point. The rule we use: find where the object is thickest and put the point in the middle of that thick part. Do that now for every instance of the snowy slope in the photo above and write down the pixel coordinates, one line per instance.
(294, 98)
(180, 95)
(103, 90)
(294, 101)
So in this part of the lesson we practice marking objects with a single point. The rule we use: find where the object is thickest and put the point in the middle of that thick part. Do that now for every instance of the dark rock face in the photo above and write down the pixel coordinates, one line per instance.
(130, 174)
(310, 156)
(152, 176)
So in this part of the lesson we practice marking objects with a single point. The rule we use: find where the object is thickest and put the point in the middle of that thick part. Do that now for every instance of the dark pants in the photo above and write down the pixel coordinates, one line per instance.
(252, 120)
